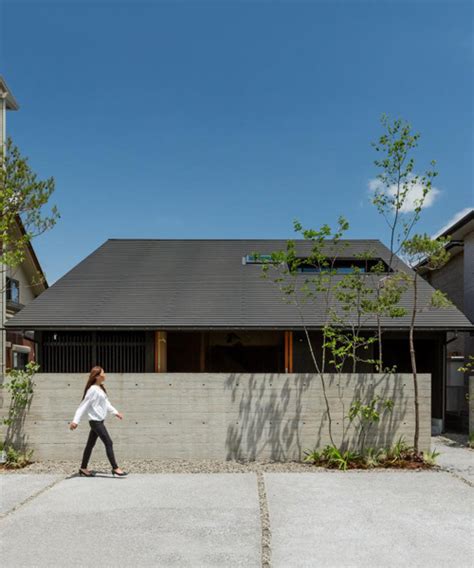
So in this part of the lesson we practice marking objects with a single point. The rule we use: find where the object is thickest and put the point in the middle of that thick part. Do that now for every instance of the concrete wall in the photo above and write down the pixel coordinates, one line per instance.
(219, 416)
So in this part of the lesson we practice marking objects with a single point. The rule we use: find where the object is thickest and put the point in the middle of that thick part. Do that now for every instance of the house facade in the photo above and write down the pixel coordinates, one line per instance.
(456, 279)
(19, 285)
(202, 306)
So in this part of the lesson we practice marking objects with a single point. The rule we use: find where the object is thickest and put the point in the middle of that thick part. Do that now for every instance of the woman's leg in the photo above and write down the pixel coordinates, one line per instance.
(91, 440)
(104, 436)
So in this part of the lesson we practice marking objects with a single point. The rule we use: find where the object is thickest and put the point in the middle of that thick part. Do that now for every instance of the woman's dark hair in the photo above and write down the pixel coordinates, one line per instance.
(95, 372)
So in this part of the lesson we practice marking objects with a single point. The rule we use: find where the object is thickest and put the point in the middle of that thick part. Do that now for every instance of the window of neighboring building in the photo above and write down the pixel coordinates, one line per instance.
(13, 290)
(20, 360)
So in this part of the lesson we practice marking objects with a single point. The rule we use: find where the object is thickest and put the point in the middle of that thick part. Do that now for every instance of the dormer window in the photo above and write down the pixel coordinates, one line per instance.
(343, 265)
(13, 291)
(257, 259)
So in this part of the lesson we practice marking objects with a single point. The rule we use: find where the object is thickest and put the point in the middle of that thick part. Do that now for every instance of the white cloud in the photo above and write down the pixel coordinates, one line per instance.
(414, 195)
(454, 219)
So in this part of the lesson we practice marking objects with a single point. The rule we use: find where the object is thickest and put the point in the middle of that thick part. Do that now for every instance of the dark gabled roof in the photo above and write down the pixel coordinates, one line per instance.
(176, 284)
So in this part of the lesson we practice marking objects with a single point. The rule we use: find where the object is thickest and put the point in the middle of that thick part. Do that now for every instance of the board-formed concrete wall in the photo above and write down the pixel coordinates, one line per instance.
(220, 416)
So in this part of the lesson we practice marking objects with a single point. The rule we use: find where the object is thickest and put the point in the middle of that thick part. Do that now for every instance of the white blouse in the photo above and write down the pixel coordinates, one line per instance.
(96, 403)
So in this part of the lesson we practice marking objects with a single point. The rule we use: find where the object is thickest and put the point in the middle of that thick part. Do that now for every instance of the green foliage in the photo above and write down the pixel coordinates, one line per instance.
(397, 180)
(400, 455)
(17, 459)
(366, 415)
(332, 457)
(373, 457)
(284, 267)
(469, 366)
(398, 450)
(430, 457)
(370, 413)
(440, 300)
(20, 386)
(471, 440)
(422, 248)
(22, 195)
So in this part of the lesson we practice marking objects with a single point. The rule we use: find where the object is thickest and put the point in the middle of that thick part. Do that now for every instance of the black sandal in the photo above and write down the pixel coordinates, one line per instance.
(83, 473)
(114, 473)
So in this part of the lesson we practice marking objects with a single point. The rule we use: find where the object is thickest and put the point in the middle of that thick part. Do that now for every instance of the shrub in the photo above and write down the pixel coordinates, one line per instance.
(17, 459)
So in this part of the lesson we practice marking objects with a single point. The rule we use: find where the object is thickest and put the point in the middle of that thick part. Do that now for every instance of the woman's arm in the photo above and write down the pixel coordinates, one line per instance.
(110, 408)
(90, 396)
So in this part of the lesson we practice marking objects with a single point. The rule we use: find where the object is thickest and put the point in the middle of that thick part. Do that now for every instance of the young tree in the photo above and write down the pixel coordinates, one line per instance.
(399, 195)
(22, 196)
(433, 254)
(299, 288)
(22, 200)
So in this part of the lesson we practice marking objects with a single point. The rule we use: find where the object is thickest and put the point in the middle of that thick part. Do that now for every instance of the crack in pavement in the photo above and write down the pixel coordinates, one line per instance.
(33, 496)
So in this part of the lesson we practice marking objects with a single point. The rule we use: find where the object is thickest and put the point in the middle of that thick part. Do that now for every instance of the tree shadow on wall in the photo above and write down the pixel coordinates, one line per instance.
(272, 410)
(269, 415)
(365, 388)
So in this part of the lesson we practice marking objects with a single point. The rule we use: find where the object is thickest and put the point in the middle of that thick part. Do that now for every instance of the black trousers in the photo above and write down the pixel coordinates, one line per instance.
(98, 430)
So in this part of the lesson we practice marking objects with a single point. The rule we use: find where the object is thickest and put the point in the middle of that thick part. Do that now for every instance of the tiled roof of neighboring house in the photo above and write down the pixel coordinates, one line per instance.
(191, 284)
(34, 258)
(456, 232)
(460, 224)
(10, 99)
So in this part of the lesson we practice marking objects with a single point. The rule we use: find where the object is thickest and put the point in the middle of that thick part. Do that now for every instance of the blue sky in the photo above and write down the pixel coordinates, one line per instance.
(230, 119)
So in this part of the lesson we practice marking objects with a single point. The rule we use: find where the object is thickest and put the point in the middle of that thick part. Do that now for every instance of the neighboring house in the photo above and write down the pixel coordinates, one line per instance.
(456, 279)
(198, 306)
(20, 285)
(23, 284)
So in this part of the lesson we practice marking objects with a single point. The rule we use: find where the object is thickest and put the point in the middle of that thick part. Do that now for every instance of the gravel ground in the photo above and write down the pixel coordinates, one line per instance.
(186, 466)
(168, 466)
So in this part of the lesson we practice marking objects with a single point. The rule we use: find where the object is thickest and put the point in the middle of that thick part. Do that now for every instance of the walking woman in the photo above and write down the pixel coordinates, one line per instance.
(96, 402)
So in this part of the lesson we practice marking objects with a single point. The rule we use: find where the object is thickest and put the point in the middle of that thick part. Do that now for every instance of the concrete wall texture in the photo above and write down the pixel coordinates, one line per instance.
(219, 416)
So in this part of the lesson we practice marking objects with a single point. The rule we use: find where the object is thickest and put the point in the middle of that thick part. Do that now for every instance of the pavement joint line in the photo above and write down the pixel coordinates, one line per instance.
(266, 536)
(34, 496)
(458, 476)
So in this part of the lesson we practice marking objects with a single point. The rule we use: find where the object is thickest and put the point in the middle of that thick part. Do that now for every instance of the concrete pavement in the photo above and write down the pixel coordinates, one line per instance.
(317, 519)
(15, 489)
(383, 518)
(144, 520)
(454, 458)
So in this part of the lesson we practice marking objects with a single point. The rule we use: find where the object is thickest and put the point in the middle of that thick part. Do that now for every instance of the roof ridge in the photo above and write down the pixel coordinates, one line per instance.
(232, 240)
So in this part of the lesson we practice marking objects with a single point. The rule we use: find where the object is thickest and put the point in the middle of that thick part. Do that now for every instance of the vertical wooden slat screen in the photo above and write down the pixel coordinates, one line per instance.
(77, 352)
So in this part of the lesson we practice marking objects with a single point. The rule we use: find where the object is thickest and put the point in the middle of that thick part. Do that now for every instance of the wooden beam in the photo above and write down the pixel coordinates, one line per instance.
(160, 352)
(286, 352)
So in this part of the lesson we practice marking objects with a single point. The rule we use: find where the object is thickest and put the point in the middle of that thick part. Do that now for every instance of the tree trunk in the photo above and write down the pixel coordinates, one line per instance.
(323, 384)
(413, 367)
